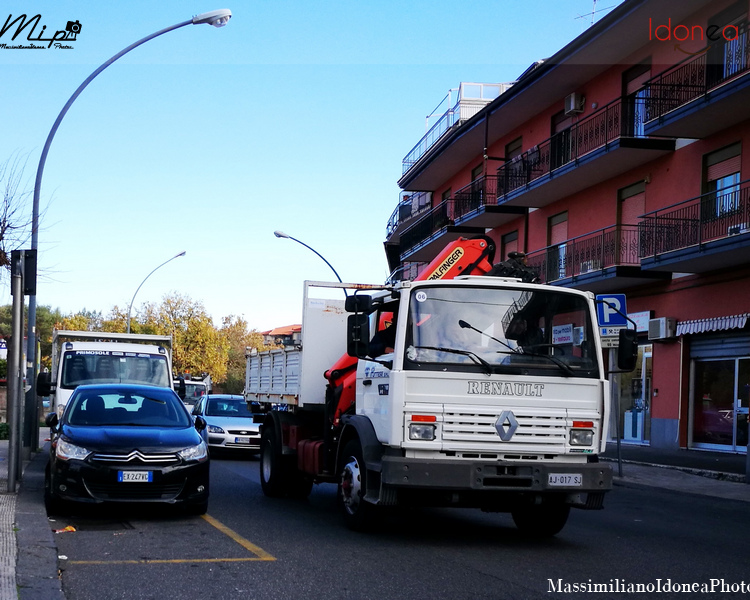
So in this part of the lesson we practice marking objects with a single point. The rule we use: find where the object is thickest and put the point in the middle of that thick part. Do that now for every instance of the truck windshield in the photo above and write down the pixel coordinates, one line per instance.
(500, 330)
(87, 366)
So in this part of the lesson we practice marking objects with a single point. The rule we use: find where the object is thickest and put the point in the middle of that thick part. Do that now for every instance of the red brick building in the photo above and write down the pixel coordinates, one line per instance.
(620, 164)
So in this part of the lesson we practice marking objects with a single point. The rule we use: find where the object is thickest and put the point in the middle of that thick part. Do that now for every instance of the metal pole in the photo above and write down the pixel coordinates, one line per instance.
(130, 306)
(15, 380)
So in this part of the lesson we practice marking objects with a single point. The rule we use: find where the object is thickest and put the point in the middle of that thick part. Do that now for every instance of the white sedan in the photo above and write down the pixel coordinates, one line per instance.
(230, 423)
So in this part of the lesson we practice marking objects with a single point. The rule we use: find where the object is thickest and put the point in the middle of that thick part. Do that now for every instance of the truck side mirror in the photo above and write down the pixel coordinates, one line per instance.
(358, 303)
(358, 335)
(43, 384)
(627, 355)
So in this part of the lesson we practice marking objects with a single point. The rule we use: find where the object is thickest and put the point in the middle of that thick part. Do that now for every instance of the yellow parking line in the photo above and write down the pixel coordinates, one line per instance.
(260, 554)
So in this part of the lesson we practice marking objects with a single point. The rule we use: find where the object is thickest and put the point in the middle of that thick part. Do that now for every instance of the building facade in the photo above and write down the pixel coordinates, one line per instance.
(619, 165)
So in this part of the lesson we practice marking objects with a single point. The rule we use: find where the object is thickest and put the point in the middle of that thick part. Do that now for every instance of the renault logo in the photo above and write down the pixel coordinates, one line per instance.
(506, 425)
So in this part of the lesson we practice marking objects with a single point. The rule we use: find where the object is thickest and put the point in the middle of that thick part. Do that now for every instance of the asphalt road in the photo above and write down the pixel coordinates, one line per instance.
(250, 546)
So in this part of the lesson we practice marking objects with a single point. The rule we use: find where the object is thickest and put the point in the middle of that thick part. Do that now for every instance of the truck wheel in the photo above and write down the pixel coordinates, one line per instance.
(271, 464)
(358, 514)
(541, 520)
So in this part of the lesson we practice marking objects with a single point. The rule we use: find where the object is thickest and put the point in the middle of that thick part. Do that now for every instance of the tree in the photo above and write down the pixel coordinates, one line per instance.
(234, 331)
(46, 318)
(15, 213)
(197, 346)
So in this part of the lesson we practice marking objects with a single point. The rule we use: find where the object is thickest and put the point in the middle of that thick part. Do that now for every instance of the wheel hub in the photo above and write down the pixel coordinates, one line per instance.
(351, 485)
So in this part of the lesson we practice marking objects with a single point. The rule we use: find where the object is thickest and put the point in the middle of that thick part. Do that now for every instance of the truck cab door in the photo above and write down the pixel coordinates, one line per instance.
(374, 395)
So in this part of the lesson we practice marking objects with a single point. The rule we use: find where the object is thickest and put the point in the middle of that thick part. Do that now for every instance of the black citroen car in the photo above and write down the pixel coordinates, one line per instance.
(126, 443)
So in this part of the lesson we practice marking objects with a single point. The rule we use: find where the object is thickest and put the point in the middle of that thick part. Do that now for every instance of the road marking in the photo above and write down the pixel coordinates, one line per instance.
(260, 554)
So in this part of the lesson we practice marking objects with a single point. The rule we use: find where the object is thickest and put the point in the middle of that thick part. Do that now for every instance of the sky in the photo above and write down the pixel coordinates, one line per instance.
(294, 117)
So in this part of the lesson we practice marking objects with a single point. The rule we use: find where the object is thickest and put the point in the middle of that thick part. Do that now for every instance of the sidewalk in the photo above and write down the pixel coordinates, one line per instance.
(28, 552)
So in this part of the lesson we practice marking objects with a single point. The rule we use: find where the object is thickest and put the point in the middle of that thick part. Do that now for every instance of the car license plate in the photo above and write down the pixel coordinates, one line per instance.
(565, 479)
(242, 440)
(135, 476)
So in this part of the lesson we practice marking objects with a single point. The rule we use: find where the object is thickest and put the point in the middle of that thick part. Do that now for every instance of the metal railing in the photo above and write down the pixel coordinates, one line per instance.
(608, 247)
(696, 76)
(705, 218)
(598, 129)
(430, 223)
(480, 192)
(411, 205)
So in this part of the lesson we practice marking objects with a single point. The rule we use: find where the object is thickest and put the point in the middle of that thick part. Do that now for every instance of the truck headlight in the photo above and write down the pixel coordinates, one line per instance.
(581, 437)
(421, 431)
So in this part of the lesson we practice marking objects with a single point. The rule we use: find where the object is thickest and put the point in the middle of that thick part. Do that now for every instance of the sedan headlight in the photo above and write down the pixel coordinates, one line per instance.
(215, 429)
(67, 451)
(198, 453)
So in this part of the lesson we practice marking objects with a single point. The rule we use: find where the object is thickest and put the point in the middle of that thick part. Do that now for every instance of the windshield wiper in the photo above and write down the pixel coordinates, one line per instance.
(474, 357)
(464, 325)
(564, 367)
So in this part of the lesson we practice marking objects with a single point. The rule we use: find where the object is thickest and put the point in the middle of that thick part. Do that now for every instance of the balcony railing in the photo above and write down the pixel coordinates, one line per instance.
(600, 128)
(411, 205)
(430, 223)
(612, 246)
(696, 76)
(480, 192)
(705, 218)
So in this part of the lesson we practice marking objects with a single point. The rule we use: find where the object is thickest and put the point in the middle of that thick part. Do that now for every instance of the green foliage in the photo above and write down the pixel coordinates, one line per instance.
(4, 431)
(3, 369)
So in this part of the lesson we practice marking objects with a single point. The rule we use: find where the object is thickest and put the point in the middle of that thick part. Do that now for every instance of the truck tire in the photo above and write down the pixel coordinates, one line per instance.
(359, 515)
(543, 520)
(272, 475)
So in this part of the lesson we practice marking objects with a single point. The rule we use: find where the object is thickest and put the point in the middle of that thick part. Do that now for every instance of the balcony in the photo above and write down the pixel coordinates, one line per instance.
(706, 233)
(702, 94)
(608, 142)
(599, 261)
(470, 211)
(410, 206)
(472, 97)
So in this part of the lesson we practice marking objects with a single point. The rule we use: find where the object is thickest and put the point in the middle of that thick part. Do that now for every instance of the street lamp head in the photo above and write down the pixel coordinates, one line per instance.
(281, 234)
(183, 253)
(217, 18)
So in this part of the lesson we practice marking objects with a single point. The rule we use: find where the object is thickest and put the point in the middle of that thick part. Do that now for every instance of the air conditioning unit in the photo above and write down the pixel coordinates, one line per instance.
(662, 328)
(738, 229)
(574, 104)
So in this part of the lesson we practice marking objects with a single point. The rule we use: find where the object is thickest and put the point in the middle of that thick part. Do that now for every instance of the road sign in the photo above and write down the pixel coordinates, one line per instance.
(607, 308)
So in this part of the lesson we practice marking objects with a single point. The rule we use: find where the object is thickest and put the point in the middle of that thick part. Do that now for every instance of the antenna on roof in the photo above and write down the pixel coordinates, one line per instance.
(593, 12)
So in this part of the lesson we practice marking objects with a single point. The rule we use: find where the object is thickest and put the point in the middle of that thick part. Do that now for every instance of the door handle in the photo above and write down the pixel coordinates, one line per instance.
(367, 382)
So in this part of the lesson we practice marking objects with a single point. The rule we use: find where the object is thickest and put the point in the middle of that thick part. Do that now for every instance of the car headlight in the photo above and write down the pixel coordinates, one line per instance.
(67, 451)
(214, 429)
(198, 452)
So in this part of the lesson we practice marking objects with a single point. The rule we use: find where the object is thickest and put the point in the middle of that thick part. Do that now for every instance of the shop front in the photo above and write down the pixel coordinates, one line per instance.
(633, 393)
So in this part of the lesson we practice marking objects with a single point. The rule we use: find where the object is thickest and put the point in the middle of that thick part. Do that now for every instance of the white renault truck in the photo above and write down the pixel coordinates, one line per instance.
(84, 357)
(477, 391)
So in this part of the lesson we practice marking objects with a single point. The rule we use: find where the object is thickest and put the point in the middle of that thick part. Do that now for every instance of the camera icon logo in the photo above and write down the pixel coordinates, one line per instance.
(73, 27)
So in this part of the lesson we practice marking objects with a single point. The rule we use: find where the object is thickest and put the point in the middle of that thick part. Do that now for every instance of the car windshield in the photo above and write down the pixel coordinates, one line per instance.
(228, 407)
(500, 330)
(82, 367)
(123, 407)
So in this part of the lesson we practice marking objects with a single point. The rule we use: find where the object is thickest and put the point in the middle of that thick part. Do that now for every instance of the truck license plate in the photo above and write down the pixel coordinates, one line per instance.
(565, 479)
(242, 440)
(135, 476)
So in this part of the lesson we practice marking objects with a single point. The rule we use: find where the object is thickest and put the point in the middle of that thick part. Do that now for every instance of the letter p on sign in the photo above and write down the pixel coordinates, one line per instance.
(607, 310)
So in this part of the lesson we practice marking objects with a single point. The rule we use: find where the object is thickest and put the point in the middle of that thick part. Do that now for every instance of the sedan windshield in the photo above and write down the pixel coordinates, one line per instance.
(498, 330)
(228, 407)
(107, 407)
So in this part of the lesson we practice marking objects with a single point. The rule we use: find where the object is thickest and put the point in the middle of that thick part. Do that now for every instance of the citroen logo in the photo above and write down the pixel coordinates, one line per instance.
(506, 425)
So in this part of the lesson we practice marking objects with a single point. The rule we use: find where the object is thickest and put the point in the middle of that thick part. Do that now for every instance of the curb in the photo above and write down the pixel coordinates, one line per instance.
(718, 475)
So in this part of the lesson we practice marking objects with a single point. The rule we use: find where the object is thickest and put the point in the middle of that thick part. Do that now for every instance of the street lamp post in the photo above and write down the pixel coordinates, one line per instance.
(217, 18)
(281, 234)
(130, 306)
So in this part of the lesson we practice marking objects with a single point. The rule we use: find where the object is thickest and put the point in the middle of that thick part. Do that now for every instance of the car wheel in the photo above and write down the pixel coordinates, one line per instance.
(271, 464)
(53, 504)
(359, 514)
(541, 520)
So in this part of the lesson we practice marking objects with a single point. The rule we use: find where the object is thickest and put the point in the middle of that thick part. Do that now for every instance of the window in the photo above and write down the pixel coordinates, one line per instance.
(722, 179)
(513, 149)
(560, 146)
(634, 104)
(477, 172)
(727, 57)
(557, 235)
(509, 243)
(446, 195)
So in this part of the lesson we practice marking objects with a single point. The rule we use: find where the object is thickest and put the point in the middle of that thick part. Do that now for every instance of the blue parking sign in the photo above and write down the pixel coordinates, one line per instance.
(607, 306)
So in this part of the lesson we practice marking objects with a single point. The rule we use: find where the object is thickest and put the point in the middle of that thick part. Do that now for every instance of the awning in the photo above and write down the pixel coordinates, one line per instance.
(713, 324)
